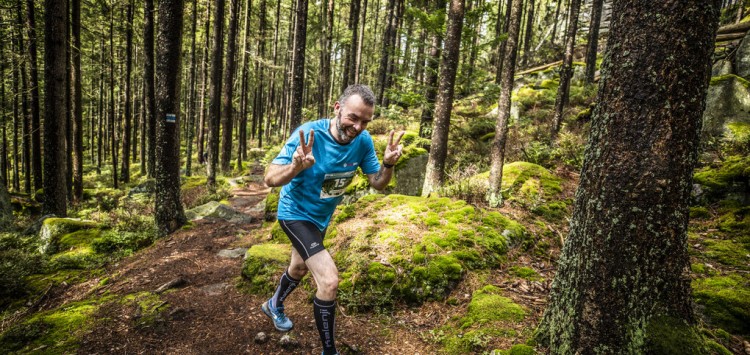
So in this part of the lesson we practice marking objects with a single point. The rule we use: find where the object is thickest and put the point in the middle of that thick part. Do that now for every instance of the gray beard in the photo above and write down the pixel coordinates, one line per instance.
(340, 131)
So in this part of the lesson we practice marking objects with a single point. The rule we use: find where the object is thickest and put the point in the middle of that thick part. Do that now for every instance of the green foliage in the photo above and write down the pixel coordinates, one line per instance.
(525, 272)
(724, 301)
(124, 242)
(18, 259)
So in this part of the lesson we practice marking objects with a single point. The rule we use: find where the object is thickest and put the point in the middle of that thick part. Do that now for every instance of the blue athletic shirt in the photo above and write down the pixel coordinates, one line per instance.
(316, 191)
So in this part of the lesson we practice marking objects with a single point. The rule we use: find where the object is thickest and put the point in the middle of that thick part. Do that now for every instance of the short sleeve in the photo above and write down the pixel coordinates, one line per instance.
(370, 164)
(287, 151)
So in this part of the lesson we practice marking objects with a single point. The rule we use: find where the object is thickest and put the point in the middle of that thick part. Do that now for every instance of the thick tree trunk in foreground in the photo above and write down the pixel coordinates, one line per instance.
(169, 213)
(214, 106)
(623, 272)
(55, 162)
(497, 154)
(435, 175)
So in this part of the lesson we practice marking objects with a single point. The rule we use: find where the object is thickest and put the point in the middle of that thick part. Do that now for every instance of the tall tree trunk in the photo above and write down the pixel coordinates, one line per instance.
(529, 32)
(298, 67)
(26, 127)
(593, 45)
(214, 108)
(433, 65)
(260, 69)
(148, 81)
(227, 112)
(740, 11)
(77, 98)
(191, 92)
(474, 45)
(112, 119)
(36, 141)
(169, 213)
(125, 173)
(204, 74)
(497, 153)
(555, 22)
(273, 109)
(16, 89)
(622, 273)
(358, 61)
(55, 37)
(566, 70)
(100, 126)
(387, 52)
(244, 92)
(499, 27)
(3, 121)
(503, 45)
(349, 70)
(286, 92)
(435, 174)
(326, 41)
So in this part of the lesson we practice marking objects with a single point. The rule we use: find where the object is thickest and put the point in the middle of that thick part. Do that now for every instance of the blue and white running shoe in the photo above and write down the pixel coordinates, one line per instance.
(280, 321)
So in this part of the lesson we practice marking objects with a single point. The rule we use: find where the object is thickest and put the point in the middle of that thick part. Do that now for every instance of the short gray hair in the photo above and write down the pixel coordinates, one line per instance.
(364, 91)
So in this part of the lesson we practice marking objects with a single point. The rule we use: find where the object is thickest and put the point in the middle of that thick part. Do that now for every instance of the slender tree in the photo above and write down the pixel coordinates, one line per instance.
(593, 45)
(351, 57)
(358, 61)
(26, 126)
(148, 82)
(566, 70)
(112, 120)
(191, 91)
(244, 92)
(36, 141)
(389, 42)
(204, 75)
(125, 171)
(502, 47)
(214, 108)
(497, 153)
(100, 118)
(3, 119)
(77, 98)
(433, 65)
(227, 111)
(260, 72)
(528, 34)
(169, 213)
(55, 37)
(298, 68)
(622, 281)
(435, 175)
(326, 42)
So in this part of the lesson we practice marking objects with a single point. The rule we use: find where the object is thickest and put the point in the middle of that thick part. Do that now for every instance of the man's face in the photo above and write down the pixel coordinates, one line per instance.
(351, 118)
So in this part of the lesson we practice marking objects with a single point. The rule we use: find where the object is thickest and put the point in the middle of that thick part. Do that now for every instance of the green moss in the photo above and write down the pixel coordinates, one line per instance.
(721, 78)
(263, 264)
(57, 331)
(150, 308)
(194, 181)
(344, 213)
(525, 272)
(721, 179)
(716, 348)
(53, 230)
(698, 268)
(487, 305)
(724, 301)
(79, 238)
(518, 349)
(699, 212)
(668, 335)
(727, 252)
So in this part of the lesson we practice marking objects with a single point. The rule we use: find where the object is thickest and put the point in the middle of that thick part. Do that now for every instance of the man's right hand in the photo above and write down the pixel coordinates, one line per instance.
(303, 157)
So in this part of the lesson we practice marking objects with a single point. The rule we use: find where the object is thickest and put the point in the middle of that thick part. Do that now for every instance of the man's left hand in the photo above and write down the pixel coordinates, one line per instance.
(393, 150)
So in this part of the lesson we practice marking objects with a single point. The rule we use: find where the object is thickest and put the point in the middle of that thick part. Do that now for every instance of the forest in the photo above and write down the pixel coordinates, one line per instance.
(575, 175)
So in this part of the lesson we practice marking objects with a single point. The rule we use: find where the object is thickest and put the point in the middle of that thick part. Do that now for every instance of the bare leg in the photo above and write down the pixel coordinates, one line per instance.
(325, 274)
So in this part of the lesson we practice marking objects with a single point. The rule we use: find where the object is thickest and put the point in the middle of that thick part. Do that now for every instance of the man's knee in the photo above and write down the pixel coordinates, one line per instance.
(298, 271)
(330, 284)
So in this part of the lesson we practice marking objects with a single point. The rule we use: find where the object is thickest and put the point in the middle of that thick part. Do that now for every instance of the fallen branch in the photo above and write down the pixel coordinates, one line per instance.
(737, 27)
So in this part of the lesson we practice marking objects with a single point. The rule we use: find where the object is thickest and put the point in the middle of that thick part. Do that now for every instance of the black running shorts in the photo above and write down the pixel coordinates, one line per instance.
(306, 238)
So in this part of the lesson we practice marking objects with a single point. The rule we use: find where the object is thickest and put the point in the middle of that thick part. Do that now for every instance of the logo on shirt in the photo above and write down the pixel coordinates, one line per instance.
(346, 165)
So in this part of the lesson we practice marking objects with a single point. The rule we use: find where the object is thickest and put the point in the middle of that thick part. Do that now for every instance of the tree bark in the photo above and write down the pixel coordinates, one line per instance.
(258, 113)
(503, 45)
(36, 141)
(112, 120)
(169, 213)
(351, 57)
(214, 108)
(388, 43)
(326, 41)
(528, 33)
(244, 92)
(566, 70)
(125, 171)
(101, 119)
(26, 125)
(435, 175)
(191, 92)
(4, 148)
(593, 45)
(298, 67)
(204, 74)
(497, 153)
(148, 81)
(77, 97)
(624, 269)
(55, 37)
(433, 66)
(227, 111)
(358, 61)
(555, 23)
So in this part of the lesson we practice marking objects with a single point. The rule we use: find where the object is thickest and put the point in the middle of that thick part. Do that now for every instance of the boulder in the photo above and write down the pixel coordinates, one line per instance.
(217, 210)
(263, 265)
(53, 229)
(722, 67)
(147, 187)
(742, 58)
(727, 103)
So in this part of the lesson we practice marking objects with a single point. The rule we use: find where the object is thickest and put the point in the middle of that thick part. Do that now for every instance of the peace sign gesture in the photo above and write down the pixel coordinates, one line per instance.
(303, 157)
(393, 149)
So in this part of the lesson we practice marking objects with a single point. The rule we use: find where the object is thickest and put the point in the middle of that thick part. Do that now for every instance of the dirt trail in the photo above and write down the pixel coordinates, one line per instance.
(209, 315)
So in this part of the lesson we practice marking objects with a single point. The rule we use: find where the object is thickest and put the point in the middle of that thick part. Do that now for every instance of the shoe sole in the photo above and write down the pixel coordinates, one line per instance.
(267, 312)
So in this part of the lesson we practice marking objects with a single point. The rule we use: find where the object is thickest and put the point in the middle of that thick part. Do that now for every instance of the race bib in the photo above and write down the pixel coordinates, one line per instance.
(335, 184)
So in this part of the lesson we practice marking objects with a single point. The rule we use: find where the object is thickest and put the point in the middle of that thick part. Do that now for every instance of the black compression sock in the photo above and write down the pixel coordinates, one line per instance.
(325, 315)
(286, 285)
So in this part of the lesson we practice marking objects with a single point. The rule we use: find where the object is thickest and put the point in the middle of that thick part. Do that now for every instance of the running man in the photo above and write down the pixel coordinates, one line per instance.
(314, 173)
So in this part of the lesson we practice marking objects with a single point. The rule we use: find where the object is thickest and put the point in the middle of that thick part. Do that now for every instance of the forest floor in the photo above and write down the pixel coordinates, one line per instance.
(207, 313)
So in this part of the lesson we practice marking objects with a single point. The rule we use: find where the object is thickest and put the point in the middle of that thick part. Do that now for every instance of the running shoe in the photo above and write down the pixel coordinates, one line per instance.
(280, 321)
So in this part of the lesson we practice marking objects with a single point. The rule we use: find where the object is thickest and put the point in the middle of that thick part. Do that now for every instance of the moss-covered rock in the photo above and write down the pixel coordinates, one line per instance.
(53, 229)
(217, 210)
(730, 177)
(727, 102)
(518, 349)
(668, 335)
(725, 302)
(489, 315)
(404, 248)
(272, 204)
(263, 265)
